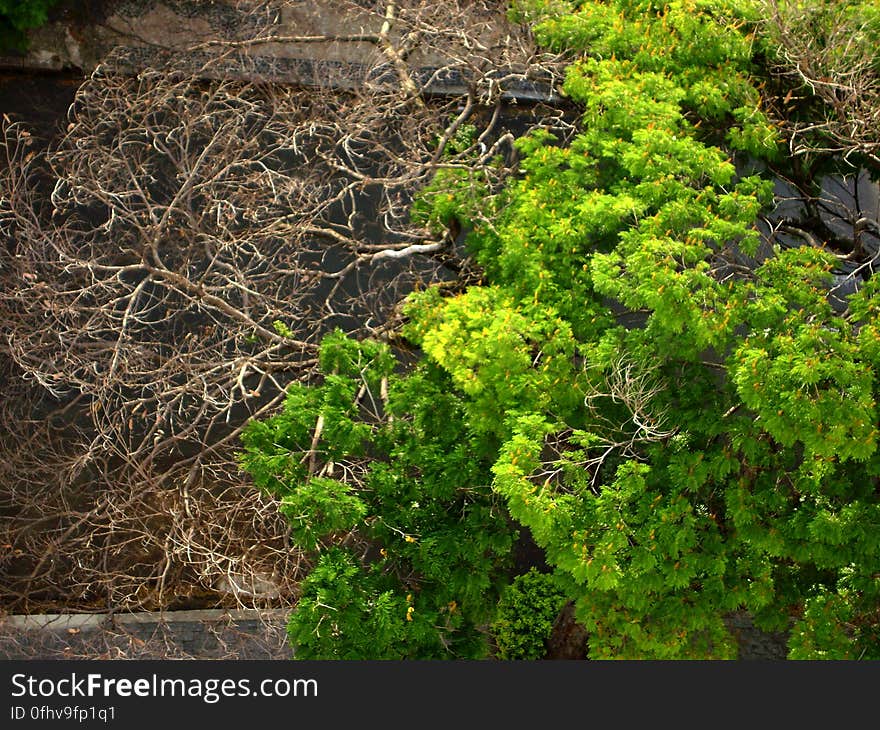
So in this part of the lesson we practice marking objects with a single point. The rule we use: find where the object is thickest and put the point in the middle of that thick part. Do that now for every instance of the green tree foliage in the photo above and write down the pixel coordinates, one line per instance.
(684, 435)
(720, 455)
(384, 482)
(526, 614)
(18, 16)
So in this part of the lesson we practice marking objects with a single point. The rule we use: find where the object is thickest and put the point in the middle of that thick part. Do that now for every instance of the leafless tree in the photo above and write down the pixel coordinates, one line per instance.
(829, 50)
(826, 102)
(633, 421)
(169, 267)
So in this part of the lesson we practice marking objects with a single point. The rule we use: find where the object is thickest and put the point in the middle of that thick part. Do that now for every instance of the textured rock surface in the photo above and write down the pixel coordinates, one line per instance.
(257, 41)
(207, 634)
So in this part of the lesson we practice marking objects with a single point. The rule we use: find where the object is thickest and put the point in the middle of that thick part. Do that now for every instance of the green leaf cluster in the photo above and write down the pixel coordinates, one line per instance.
(392, 496)
(683, 434)
(526, 614)
(678, 416)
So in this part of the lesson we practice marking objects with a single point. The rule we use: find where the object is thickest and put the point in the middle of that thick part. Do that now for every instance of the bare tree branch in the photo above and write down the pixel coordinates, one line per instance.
(168, 268)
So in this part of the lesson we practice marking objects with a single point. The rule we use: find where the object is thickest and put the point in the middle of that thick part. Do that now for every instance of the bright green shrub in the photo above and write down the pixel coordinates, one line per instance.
(527, 612)
(397, 472)
(723, 454)
(718, 454)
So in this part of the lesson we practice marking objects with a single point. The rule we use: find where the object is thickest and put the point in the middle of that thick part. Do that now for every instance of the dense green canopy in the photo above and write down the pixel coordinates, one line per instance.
(659, 390)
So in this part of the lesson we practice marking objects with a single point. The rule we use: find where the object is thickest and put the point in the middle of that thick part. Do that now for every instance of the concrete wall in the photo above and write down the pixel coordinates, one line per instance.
(206, 634)
(264, 45)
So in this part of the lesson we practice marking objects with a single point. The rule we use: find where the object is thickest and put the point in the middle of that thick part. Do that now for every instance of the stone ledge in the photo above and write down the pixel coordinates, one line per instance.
(84, 621)
(202, 634)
